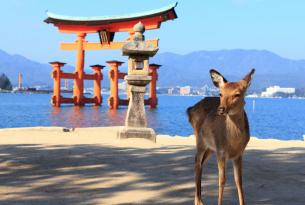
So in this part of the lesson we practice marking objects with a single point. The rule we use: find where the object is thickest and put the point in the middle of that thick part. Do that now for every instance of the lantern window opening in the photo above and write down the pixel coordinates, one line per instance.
(139, 64)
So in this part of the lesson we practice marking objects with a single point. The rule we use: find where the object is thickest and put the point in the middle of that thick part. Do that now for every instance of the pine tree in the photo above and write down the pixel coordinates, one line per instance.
(5, 83)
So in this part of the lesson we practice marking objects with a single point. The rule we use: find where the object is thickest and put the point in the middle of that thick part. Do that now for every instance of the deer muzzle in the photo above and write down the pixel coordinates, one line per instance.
(221, 110)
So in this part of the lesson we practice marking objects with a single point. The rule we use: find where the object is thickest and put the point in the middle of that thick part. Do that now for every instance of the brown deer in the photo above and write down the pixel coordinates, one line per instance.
(221, 125)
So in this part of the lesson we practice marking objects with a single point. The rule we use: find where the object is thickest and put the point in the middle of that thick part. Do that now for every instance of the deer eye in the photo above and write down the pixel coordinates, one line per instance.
(220, 95)
(237, 95)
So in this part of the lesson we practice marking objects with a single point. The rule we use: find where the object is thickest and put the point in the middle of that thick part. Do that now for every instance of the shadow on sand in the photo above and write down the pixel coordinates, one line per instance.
(89, 174)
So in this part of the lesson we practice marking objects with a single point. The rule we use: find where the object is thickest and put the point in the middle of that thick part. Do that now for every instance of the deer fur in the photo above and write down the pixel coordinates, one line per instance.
(221, 126)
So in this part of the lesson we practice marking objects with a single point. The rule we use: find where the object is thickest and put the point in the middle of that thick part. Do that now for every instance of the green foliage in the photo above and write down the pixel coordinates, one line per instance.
(5, 83)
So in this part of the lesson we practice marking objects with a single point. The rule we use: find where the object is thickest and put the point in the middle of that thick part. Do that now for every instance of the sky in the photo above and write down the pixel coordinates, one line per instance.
(274, 25)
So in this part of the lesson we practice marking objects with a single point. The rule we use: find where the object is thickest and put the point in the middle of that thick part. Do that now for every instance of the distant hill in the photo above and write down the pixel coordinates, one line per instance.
(34, 73)
(190, 69)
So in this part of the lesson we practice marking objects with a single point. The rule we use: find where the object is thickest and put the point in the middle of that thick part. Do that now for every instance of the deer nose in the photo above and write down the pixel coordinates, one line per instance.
(221, 110)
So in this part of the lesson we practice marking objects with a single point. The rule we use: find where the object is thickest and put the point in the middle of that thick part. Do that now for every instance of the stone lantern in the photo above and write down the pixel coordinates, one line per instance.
(138, 52)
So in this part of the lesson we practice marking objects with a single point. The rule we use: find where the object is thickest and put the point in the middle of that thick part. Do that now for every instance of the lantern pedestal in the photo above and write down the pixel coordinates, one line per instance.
(137, 132)
(135, 122)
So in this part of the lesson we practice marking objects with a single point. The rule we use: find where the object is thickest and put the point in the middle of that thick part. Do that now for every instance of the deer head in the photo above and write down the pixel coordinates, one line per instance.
(231, 94)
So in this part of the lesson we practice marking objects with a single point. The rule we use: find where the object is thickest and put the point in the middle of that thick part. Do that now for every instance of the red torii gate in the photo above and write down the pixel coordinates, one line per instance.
(106, 28)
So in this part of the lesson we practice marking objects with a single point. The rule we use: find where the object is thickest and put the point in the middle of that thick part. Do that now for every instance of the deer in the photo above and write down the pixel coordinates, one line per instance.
(221, 126)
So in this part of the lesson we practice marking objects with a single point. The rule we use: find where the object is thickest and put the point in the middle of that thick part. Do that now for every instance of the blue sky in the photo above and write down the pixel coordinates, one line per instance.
(275, 25)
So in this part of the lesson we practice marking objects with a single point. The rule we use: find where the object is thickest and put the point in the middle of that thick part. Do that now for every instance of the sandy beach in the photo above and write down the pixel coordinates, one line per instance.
(90, 166)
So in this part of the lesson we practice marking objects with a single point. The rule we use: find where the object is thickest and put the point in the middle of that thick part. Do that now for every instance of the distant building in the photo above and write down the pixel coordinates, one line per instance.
(20, 81)
(122, 85)
(209, 91)
(66, 84)
(273, 90)
(162, 90)
(170, 91)
(186, 90)
(253, 95)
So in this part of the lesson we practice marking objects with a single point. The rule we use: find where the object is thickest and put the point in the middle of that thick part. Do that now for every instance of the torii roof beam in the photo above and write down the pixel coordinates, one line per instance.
(151, 19)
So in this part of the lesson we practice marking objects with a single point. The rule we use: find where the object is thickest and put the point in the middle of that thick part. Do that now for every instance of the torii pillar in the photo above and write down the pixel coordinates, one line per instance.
(153, 101)
(78, 89)
(56, 74)
(114, 75)
(98, 76)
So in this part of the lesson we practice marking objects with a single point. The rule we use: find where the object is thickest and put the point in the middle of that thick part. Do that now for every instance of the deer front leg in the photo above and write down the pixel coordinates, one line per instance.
(201, 157)
(221, 161)
(237, 165)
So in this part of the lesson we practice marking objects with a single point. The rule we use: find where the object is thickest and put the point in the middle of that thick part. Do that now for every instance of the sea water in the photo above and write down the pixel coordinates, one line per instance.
(269, 118)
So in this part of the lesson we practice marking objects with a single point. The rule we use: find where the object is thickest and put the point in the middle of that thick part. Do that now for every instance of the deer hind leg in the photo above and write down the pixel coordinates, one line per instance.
(237, 165)
(221, 162)
(201, 157)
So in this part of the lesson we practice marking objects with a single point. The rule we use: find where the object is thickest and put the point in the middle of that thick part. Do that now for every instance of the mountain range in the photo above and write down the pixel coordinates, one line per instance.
(181, 70)
(193, 68)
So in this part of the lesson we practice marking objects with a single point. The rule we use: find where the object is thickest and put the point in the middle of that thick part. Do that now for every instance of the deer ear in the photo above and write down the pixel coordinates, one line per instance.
(249, 76)
(217, 78)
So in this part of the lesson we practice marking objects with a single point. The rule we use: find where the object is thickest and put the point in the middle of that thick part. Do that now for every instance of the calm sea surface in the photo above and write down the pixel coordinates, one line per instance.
(271, 118)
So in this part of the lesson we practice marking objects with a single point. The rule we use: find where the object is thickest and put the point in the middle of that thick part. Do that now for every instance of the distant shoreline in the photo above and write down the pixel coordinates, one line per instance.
(50, 92)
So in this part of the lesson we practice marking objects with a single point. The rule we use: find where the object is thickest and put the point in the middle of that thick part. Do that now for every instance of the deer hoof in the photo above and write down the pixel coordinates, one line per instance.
(198, 201)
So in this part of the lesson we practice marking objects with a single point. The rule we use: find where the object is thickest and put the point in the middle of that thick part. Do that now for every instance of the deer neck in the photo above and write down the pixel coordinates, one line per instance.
(235, 123)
